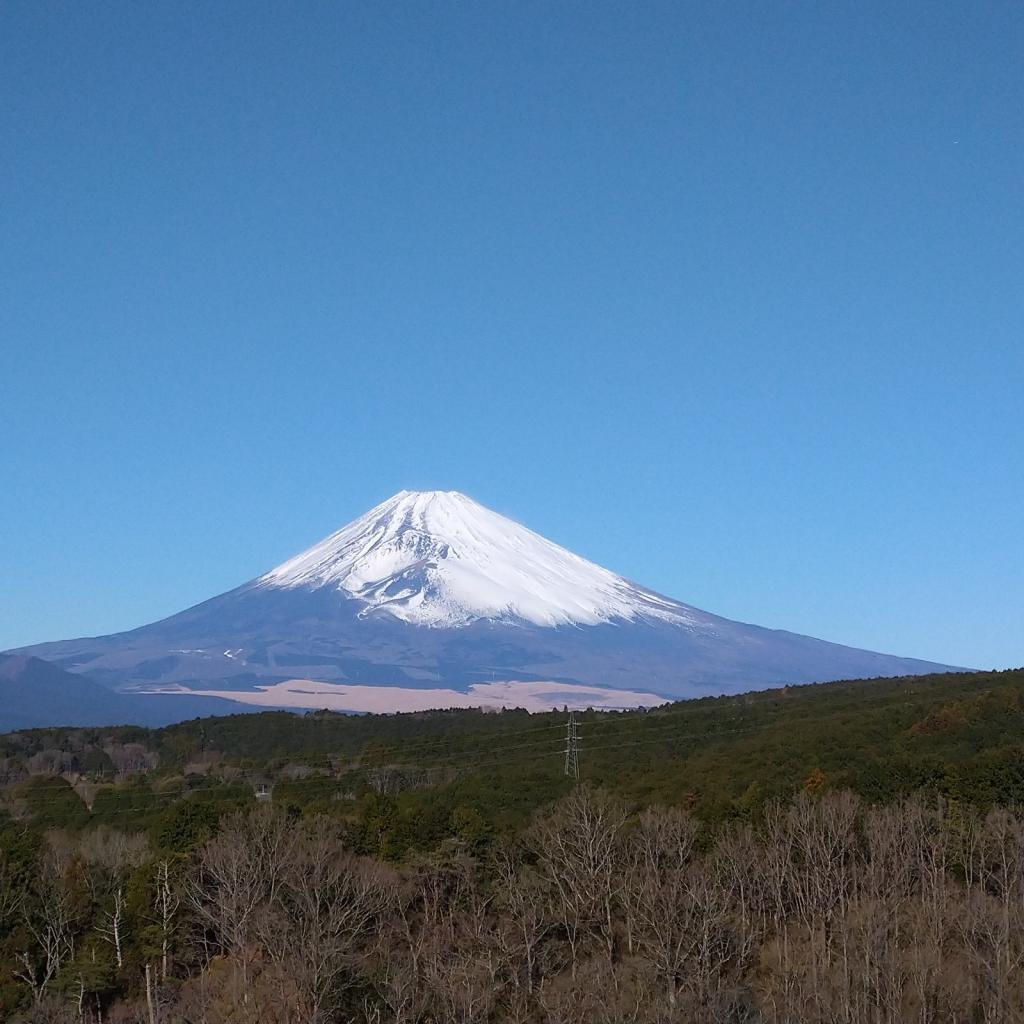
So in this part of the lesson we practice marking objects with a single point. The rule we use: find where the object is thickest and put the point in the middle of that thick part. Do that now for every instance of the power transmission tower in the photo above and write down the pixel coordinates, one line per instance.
(572, 746)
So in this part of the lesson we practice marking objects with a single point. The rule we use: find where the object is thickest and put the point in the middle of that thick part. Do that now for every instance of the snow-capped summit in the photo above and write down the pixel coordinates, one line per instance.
(438, 558)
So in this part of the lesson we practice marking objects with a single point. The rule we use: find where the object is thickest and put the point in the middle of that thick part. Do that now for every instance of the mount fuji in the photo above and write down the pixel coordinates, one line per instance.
(431, 600)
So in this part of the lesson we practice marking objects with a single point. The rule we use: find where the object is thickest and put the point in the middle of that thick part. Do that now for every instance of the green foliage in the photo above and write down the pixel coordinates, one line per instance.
(19, 851)
(124, 806)
(184, 826)
(51, 802)
(320, 793)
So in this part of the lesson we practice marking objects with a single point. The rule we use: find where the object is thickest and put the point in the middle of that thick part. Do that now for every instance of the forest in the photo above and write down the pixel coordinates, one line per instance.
(836, 853)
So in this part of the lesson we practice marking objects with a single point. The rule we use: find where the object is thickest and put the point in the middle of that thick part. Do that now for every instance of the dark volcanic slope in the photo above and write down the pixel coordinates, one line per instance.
(257, 635)
(34, 693)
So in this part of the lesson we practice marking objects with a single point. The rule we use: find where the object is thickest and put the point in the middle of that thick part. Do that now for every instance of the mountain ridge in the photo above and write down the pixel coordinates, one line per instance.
(35, 693)
(430, 594)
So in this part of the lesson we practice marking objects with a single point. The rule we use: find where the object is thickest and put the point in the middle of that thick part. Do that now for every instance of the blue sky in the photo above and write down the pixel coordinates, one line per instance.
(727, 297)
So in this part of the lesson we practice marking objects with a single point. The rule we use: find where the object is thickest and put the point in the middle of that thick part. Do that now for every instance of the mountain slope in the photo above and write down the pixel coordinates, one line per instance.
(34, 693)
(430, 599)
(31, 690)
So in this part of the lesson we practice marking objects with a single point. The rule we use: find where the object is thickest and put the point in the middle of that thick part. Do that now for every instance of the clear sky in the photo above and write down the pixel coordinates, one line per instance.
(727, 297)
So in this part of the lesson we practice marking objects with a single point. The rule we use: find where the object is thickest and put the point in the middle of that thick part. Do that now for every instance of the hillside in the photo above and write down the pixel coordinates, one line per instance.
(959, 734)
(35, 693)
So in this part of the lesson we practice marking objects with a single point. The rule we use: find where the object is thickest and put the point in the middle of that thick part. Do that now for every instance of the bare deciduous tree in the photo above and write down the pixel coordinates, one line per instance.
(166, 903)
(578, 846)
(326, 901)
(112, 925)
(48, 917)
(239, 874)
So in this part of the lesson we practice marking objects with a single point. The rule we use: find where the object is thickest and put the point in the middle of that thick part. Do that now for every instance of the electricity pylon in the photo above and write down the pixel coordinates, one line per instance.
(572, 746)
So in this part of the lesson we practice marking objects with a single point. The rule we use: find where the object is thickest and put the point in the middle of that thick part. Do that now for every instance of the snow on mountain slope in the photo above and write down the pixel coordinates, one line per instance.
(438, 558)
